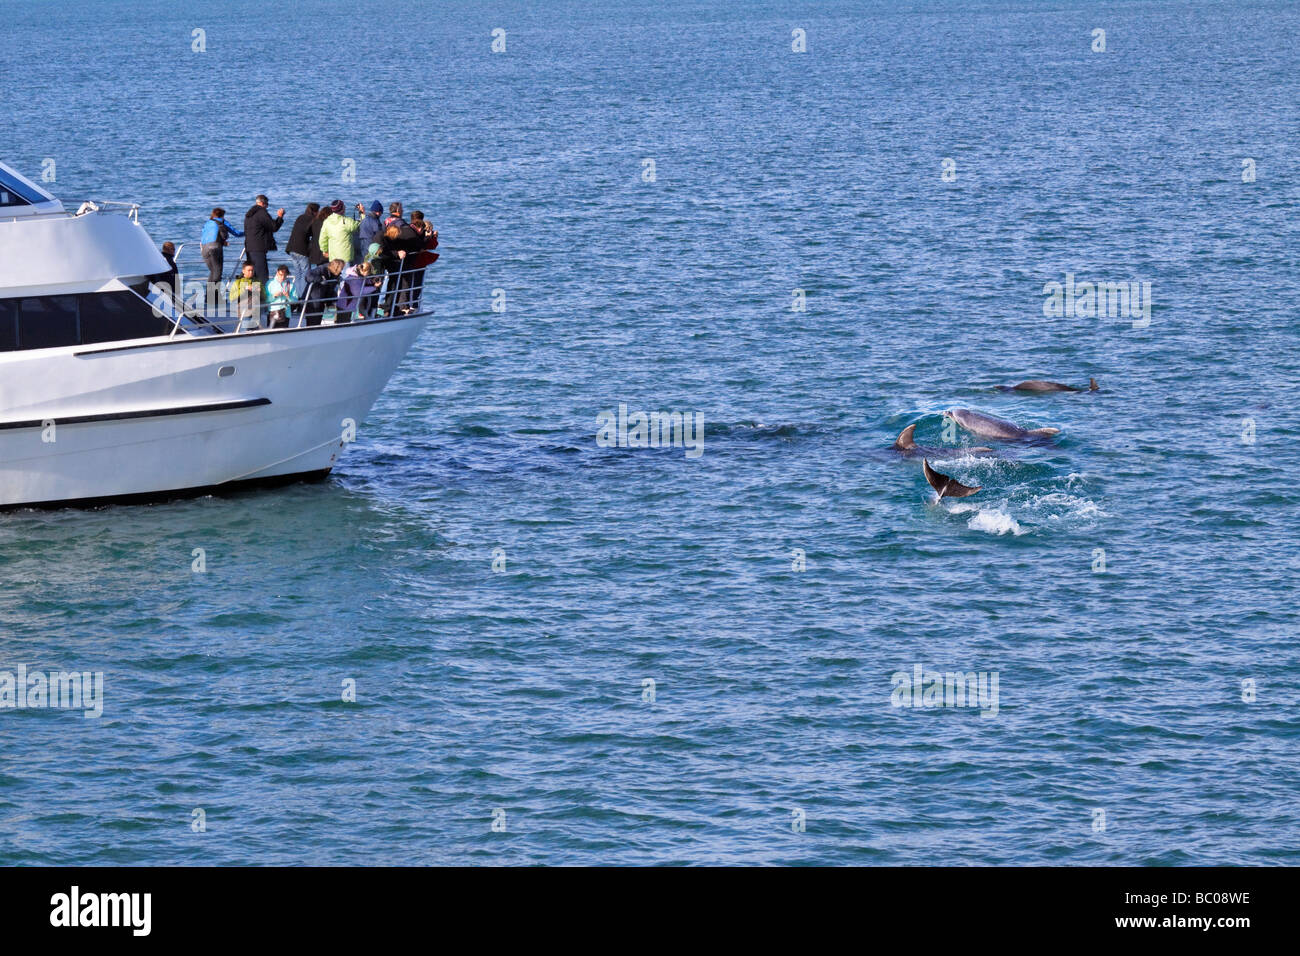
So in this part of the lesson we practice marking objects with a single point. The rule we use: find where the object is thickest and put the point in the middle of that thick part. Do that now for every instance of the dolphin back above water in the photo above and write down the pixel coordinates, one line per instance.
(945, 485)
(986, 426)
(905, 444)
(1040, 385)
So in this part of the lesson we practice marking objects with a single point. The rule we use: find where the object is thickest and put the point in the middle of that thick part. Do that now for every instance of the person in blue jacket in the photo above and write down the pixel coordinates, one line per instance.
(216, 235)
(371, 227)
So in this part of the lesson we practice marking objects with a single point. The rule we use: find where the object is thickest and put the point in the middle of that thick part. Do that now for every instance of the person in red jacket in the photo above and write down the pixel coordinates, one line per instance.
(424, 258)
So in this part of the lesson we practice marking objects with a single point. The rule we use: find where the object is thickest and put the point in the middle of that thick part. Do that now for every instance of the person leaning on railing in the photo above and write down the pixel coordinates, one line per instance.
(357, 294)
(395, 244)
(426, 257)
(322, 282)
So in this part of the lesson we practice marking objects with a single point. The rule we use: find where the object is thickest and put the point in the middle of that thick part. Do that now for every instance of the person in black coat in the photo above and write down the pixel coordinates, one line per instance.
(395, 244)
(300, 242)
(169, 277)
(316, 257)
(259, 236)
(169, 280)
(321, 289)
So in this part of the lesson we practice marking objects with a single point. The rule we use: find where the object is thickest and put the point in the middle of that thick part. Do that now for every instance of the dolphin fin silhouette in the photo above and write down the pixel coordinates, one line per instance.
(1092, 385)
(946, 486)
(905, 438)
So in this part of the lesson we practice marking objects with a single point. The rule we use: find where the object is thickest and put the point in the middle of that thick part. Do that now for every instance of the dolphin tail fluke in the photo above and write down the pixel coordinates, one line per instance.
(1045, 432)
(944, 485)
(1092, 385)
(905, 439)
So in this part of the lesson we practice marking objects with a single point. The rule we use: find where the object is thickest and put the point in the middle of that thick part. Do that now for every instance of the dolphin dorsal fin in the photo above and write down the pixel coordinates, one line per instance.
(905, 438)
(1093, 386)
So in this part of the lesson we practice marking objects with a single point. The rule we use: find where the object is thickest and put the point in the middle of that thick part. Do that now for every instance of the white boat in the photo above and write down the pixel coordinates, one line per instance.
(110, 391)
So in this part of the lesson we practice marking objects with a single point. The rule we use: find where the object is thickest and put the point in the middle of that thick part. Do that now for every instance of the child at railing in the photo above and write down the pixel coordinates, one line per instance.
(281, 293)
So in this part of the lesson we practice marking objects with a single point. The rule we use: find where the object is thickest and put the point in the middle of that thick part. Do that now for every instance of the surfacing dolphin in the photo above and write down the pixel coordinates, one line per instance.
(905, 444)
(945, 485)
(1039, 385)
(986, 426)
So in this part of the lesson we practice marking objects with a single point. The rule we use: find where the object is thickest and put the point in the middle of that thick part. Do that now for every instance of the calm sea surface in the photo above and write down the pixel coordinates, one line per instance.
(1124, 732)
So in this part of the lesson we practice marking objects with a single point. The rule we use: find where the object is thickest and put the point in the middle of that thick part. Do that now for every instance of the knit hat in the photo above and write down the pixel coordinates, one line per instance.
(337, 206)
(376, 207)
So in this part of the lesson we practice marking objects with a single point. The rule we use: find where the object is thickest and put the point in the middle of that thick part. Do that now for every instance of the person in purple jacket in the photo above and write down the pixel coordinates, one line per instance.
(356, 293)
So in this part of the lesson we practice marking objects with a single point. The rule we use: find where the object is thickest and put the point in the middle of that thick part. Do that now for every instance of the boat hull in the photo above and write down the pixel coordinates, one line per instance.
(88, 424)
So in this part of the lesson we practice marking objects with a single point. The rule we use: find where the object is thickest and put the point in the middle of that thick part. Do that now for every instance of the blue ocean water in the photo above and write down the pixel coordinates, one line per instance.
(1146, 713)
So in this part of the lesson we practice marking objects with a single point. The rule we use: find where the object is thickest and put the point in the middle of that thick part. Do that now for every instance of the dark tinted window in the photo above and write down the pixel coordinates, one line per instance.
(15, 193)
(47, 322)
(114, 316)
(8, 325)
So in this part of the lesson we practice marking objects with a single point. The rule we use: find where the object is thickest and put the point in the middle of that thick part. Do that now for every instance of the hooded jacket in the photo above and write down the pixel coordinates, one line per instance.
(337, 237)
(371, 227)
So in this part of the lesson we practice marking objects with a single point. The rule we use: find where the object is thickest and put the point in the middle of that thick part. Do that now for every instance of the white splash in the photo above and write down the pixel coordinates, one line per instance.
(991, 520)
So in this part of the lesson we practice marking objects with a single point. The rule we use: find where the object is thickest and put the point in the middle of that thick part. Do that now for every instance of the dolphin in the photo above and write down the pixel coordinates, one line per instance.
(905, 444)
(946, 486)
(1039, 386)
(986, 426)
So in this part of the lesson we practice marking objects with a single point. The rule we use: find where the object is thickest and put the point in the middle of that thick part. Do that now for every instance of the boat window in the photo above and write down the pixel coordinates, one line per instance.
(115, 316)
(47, 322)
(52, 321)
(8, 325)
(15, 193)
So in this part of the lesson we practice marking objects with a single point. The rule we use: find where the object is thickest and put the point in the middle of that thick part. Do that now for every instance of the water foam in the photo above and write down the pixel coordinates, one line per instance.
(990, 520)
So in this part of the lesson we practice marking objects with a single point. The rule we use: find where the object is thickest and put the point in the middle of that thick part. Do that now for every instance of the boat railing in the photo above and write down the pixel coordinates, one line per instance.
(167, 305)
(109, 207)
(213, 311)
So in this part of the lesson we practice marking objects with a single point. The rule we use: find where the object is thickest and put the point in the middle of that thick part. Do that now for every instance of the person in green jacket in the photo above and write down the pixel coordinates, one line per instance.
(338, 234)
(246, 299)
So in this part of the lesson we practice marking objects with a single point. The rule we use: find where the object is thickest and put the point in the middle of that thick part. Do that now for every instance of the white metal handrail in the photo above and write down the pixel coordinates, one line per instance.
(383, 287)
(107, 206)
